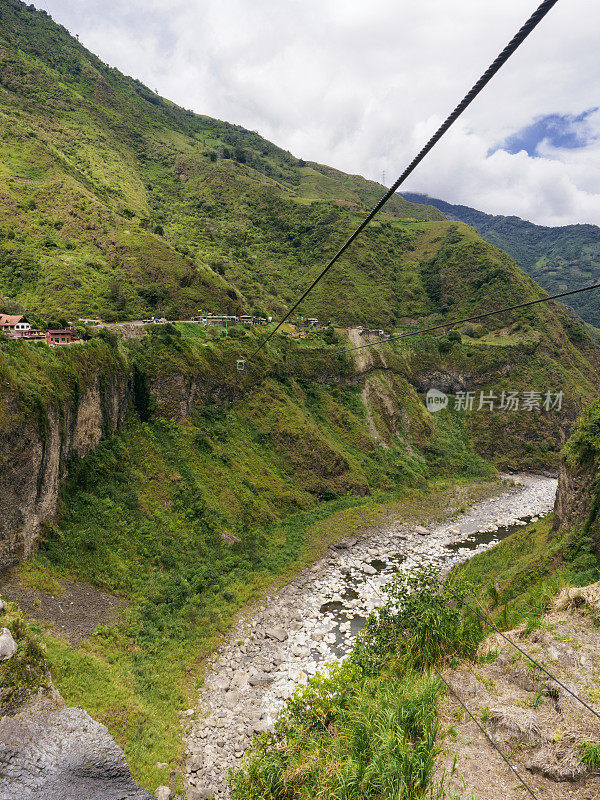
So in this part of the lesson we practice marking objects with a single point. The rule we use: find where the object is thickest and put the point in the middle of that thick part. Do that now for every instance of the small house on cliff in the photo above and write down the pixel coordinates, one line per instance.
(14, 324)
(65, 336)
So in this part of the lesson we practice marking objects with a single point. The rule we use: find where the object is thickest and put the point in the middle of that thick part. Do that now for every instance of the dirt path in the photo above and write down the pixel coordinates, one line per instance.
(362, 357)
(364, 362)
(533, 721)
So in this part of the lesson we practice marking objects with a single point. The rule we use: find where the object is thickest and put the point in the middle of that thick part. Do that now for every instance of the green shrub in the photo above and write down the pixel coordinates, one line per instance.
(366, 728)
(589, 754)
(420, 624)
(26, 671)
(108, 336)
(348, 737)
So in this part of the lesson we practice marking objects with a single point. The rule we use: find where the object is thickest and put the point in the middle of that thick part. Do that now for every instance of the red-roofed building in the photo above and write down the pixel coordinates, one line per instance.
(14, 323)
(55, 337)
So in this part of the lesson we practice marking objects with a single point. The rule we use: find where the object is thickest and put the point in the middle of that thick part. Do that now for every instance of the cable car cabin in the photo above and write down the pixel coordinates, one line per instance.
(241, 364)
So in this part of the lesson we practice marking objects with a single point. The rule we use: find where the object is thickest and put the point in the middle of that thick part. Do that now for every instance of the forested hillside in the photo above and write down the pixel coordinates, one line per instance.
(116, 201)
(211, 488)
(560, 258)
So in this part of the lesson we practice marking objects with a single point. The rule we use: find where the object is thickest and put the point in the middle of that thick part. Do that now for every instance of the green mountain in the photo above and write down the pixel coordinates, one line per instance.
(559, 258)
(118, 202)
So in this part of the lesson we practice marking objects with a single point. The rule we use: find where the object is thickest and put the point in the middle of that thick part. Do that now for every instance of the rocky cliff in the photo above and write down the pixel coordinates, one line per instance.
(61, 753)
(576, 489)
(56, 407)
(577, 499)
(38, 440)
(47, 750)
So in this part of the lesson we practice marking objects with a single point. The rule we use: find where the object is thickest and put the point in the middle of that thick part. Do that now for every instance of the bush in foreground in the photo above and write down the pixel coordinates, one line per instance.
(367, 728)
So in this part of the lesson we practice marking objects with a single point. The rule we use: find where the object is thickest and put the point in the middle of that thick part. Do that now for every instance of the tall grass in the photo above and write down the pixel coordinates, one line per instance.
(517, 580)
(419, 625)
(589, 754)
(376, 740)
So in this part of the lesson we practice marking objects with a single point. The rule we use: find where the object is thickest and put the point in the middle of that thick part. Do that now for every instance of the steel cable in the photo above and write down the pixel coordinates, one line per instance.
(487, 76)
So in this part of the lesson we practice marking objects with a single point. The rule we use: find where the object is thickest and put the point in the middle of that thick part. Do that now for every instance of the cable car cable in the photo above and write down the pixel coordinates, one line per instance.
(452, 690)
(491, 624)
(478, 87)
(473, 318)
(482, 729)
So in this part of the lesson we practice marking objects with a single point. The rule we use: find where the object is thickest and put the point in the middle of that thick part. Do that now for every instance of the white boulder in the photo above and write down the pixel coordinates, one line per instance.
(8, 646)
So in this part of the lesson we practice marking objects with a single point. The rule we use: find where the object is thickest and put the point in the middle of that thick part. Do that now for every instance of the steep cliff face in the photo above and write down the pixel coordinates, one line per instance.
(578, 500)
(37, 448)
(55, 407)
(576, 489)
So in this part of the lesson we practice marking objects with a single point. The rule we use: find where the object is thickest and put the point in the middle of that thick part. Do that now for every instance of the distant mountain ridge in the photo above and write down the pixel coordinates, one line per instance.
(560, 258)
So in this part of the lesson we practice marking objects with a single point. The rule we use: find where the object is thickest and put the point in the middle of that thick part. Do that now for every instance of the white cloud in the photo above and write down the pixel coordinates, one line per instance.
(361, 85)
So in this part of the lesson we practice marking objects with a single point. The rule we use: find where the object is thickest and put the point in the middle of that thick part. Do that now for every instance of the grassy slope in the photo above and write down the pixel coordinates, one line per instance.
(518, 577)
(113, 201)
(84, 189)
(455, 273)
(559, 258)
(93, 163)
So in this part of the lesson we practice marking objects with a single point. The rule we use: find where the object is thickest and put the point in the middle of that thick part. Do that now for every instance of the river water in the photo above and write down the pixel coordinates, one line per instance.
(314, 619)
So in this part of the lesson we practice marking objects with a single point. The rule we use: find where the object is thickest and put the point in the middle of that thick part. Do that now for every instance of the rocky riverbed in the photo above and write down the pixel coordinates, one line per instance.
(314, 619)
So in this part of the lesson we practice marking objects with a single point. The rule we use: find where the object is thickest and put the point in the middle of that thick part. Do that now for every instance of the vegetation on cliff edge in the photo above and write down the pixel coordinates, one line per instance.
(187, 520)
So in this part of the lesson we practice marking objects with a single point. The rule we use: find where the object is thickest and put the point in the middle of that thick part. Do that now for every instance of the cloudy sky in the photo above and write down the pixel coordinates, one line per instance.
(361, 86)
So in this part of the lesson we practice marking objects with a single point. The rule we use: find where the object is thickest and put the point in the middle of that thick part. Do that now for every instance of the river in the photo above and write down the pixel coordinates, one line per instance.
(314, 619)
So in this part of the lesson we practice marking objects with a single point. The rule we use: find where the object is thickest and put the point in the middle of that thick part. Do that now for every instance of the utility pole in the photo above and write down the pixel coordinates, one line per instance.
(383, 177)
